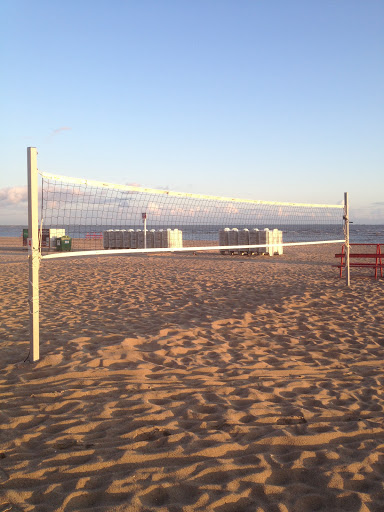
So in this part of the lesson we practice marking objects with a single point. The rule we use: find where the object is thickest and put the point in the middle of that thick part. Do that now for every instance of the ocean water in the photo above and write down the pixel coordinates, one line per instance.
(359, 233)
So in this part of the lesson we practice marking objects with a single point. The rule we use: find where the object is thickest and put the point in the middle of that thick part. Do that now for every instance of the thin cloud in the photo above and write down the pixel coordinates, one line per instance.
(13, 195)
(59, 130)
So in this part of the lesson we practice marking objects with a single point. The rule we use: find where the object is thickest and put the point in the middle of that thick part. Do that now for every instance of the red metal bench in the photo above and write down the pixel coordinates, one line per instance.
(376, 265)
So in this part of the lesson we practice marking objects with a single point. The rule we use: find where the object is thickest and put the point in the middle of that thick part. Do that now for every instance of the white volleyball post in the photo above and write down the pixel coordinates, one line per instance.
(33, 255)
(347, 248)
(144, 217)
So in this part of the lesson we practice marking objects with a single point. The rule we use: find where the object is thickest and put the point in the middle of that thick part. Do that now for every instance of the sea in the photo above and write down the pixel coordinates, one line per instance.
(359, 233)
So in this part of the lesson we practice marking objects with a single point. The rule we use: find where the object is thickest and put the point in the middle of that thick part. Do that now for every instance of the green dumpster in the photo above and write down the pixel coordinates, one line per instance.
(25, 237)
(64, 243)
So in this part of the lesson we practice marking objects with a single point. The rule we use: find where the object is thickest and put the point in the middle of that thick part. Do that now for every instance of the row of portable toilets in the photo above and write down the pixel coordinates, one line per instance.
(134, 239)
(271, 241)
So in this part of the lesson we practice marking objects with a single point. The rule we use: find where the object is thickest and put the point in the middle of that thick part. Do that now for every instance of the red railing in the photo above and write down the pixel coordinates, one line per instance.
(377, 255)
(94, 236)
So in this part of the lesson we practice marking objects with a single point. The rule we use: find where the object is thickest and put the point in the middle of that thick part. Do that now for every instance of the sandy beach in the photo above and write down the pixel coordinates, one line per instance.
(182, 383)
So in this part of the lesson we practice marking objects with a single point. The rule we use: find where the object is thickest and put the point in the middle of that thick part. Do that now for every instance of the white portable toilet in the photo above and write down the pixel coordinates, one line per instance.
(243, 240)
(126, 239)
(266, 240)
(166, 238)
(106, 239)
(277, 242)
(112, 239)
(179, 238)
(151, 239)
(254, 239)
(119, 238)
(171, 238)
(233, 238)
(133, 239)
(139, 239)
(270, 242)
(175, 238)
(223, 239)
(263, 241)
(159, 238)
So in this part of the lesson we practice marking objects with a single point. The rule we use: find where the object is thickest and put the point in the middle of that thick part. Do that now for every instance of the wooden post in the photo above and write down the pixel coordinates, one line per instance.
(33, 255)
(347, 248)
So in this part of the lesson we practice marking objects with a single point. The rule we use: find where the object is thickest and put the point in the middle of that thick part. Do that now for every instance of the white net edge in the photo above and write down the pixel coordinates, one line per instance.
(116, 252)
(132, 188)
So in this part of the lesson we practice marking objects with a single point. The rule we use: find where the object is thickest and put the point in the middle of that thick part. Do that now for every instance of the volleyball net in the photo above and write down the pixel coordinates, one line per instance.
(79, 217)
(101, 217)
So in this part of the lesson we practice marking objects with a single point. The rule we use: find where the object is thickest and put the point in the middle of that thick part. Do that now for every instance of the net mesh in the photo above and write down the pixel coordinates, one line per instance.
(90, 212)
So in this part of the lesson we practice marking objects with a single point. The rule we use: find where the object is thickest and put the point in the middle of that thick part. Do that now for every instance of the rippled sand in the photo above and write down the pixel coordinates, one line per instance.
(193, 383)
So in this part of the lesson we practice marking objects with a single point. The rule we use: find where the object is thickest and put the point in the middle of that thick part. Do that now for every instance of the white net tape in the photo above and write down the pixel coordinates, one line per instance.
(106, 217)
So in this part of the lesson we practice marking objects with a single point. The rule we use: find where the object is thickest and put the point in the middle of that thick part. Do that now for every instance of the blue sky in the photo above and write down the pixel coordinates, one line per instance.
(265, 99)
